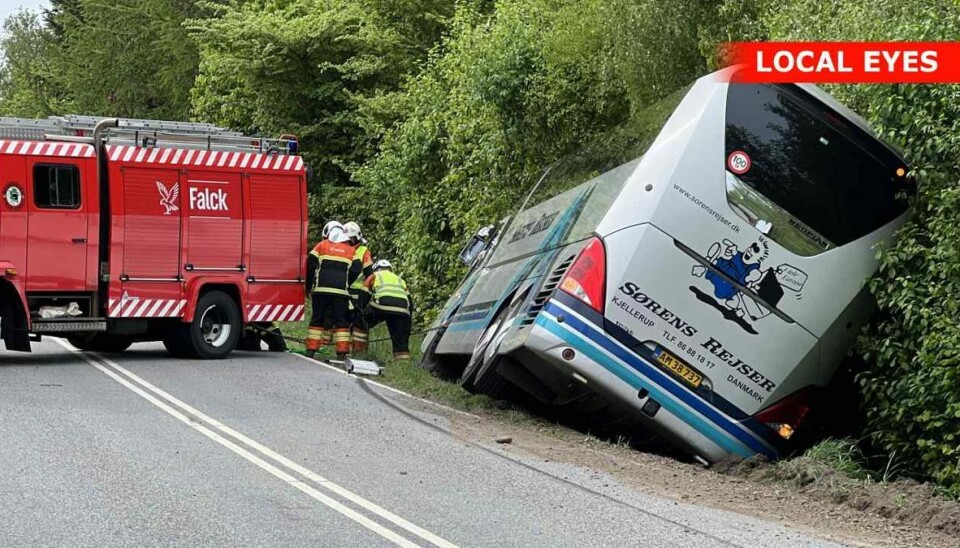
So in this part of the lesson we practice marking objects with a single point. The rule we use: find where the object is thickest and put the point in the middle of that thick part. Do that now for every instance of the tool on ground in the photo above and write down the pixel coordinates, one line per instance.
(362, 367)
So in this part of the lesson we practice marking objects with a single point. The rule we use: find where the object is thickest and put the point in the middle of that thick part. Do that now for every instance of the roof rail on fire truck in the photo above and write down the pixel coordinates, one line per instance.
(145, 133)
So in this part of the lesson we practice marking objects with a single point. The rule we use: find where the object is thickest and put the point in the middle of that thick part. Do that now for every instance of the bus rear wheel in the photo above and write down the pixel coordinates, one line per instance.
(445, 366)
(480, 374)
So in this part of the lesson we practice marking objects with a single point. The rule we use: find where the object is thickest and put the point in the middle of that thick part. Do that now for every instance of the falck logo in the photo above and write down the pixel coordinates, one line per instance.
(169, 197)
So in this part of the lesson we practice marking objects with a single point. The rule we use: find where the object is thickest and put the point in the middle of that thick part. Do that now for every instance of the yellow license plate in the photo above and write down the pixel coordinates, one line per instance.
(680, 369)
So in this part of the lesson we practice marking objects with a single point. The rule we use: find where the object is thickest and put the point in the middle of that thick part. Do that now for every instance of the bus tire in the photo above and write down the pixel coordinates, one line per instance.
(445, 367)
(101, 342)
(480, 363)
(216, 327)
(468, 378)
(489, 381)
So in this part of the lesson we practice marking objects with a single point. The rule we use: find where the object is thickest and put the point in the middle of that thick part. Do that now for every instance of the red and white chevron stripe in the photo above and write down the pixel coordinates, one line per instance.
(205, 158)
(146, 308)
(47, 148)
(274, 313)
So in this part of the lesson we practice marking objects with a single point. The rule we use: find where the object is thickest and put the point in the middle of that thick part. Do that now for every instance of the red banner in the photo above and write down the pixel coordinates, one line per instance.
(845, 62)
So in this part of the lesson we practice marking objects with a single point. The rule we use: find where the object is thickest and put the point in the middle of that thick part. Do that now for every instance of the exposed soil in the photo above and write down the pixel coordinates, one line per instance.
(800, 493)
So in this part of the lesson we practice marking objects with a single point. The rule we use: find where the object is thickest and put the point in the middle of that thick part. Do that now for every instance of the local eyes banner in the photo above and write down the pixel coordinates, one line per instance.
(844, 62)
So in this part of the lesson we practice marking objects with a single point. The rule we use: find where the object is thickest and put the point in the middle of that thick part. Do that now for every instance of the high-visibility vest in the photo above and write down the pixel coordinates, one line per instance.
(389, 292)
(366, 261)
(333, 269)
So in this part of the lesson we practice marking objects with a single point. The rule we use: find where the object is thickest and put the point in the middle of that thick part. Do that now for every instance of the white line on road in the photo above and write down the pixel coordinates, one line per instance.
(114, 370)
(386, 387)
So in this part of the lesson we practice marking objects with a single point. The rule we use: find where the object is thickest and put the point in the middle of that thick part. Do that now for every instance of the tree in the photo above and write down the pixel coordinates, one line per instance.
(62, 14)
(126, 57)
(29, 82)
(304, 66)
(505, 95)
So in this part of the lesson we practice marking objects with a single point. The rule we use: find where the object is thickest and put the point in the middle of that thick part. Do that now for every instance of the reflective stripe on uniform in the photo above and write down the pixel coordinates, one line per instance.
(333, 258)
(331, 291)
(400, 309)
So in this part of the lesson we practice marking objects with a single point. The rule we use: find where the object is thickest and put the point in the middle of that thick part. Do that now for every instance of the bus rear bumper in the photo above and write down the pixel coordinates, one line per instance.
(612, 370)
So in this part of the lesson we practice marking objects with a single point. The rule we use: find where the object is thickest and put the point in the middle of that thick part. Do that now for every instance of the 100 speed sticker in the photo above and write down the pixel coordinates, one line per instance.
(738, 162)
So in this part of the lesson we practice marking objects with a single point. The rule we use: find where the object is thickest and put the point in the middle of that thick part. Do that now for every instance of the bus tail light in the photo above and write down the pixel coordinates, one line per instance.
(587, 278)
(786, 416)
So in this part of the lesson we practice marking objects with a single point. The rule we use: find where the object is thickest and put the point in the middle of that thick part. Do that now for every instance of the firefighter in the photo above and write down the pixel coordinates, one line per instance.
(331, 268)
(359, 294)
(391, 303)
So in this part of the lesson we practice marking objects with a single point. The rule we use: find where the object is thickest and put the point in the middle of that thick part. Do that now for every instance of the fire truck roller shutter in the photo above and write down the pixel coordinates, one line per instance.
(214, 211)
(276, 242)
(149, 246)
(151, 229)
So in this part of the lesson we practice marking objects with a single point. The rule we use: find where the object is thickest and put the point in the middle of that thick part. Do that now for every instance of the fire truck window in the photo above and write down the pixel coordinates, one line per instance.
(56, 186)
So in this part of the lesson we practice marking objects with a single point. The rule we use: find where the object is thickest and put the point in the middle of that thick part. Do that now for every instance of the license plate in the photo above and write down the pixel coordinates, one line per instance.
(679, 368)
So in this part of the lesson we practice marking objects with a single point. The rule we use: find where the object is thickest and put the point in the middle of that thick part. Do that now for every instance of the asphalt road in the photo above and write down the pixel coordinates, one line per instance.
(275, 450)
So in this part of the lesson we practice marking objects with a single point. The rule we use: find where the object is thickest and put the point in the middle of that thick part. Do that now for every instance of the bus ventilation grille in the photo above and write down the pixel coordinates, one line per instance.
(546, 291)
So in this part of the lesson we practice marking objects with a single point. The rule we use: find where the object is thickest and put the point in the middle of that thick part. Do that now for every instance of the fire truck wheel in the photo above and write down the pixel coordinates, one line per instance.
(101, 342)
(177, 344)
(216, 327)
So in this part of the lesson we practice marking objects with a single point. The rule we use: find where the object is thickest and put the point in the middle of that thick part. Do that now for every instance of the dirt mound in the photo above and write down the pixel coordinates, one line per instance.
(906, 501)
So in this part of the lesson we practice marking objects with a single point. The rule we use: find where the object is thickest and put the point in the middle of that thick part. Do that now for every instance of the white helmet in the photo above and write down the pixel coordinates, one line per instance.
(382, 264)
(352, 231)
(330, 226)
(333, 231)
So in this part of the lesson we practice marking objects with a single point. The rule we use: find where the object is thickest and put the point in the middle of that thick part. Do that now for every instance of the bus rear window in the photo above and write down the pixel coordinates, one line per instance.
(804, 174)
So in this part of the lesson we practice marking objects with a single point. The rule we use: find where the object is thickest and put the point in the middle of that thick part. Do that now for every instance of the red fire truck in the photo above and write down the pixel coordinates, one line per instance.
(118, 231)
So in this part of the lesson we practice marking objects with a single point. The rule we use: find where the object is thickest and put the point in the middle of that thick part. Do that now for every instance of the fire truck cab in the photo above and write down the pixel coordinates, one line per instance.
(116, 231)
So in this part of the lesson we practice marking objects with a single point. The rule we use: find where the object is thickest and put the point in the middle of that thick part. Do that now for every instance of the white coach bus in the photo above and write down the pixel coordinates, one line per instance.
(708, 288)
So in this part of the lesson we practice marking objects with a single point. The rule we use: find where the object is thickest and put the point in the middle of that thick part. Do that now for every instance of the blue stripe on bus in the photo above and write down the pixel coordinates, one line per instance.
(467, 326)
(658, 380)
(713, 434)
(708, 396)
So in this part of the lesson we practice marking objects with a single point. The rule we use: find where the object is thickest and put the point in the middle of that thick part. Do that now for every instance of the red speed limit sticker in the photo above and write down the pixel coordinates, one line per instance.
(738, 162)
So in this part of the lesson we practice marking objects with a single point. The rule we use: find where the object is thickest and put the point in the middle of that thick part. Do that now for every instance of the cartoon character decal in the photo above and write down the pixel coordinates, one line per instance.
(734, 269)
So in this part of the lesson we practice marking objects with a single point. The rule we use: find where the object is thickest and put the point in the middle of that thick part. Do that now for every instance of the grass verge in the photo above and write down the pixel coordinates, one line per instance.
(403, 375)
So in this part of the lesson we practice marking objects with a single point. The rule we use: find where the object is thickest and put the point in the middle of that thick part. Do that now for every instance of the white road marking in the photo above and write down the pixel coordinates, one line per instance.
(385, 387)
(114, 370)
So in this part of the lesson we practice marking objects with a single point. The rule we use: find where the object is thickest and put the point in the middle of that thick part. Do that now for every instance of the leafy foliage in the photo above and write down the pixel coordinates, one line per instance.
(304, 66)
(29, 84)
(129, 58)
(121, 58)
(508, 93)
